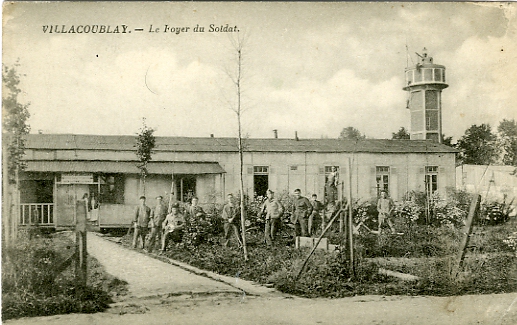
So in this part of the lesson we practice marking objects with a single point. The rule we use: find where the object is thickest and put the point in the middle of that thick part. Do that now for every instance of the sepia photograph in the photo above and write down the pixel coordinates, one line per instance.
(259, 162)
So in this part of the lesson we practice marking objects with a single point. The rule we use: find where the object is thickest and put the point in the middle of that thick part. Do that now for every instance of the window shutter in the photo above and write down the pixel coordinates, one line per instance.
(393, 170)
(250, 170)
(421, 170)
(373, 182)
(271, 170)
(322, 170)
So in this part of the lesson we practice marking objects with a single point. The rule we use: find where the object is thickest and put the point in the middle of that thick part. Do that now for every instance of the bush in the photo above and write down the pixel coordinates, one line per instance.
(30, 287)
(495, 213)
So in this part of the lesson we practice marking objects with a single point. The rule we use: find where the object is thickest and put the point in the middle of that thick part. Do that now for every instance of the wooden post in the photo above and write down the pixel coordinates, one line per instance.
(350, 220)
(467, 230)
(81, 253)
(342, 216)
(172, 189)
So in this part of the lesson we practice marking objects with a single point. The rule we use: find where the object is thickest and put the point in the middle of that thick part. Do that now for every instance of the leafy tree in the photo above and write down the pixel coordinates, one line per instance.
(15, 128)
(447, 140)
(478, 146)
(401, 134)
(351, 133)
(15, 116)
(145, 143)
(507, 130)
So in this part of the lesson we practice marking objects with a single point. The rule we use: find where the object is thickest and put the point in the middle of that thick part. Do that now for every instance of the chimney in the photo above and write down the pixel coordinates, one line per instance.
(211, 135)
(275, 133)
(296, 135)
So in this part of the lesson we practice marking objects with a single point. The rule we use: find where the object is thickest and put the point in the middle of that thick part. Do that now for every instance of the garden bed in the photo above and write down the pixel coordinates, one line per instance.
(426, 252)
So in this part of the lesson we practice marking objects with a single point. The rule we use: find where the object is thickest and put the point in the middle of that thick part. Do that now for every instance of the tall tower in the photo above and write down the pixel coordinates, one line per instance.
(424, 84)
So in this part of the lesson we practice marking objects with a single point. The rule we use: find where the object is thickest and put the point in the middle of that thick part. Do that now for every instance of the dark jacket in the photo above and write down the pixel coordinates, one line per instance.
(302, 208)
(142, 219)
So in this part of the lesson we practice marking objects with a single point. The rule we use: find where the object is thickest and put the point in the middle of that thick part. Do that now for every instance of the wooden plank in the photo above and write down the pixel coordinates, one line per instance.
(467, 230)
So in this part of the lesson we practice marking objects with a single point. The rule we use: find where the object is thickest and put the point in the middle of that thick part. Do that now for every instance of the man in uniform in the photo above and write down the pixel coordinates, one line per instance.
(273, 209)
(141, 222)
(317, 206)
(194, 211)
(385, 207)
(302, 210)
(173, 227)
(229, 215)
(158, 215)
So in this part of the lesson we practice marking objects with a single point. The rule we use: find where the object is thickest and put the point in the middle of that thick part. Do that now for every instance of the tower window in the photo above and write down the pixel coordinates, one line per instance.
(431, 99)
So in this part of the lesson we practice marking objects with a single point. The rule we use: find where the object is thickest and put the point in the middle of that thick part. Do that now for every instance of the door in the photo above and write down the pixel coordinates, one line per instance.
(66, 197)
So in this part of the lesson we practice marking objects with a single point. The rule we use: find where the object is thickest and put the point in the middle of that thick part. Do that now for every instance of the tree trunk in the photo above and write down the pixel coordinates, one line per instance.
(243, 216)
(6, 199)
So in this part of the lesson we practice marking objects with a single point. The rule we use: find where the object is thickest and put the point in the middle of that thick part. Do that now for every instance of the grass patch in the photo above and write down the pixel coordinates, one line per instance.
(31, 288)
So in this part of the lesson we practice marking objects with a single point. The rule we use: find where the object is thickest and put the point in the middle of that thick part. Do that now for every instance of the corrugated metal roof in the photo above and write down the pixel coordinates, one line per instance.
(186, 144)
(124, 167)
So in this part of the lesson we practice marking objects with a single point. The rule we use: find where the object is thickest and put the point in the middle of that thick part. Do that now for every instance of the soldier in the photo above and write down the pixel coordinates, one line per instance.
(194, 211)
(158, 215)
(317, 206)
(273, 209)
(302, 210)
(332, 184)
(229, 216)
(385, 207)
(173, 227)
(141, 222)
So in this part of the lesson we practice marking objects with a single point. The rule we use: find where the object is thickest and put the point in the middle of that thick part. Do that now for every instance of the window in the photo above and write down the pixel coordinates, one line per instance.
(260, 170)
(260, 180)
(382, 179)
(111, 188)
(294, 167)
(431, 180)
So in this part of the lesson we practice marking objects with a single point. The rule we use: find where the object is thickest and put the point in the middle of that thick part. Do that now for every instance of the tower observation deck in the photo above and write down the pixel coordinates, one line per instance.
(424, 84)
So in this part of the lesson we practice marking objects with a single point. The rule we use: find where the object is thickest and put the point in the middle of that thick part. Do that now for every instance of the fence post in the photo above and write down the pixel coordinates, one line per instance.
(81, 253)
(350, 225)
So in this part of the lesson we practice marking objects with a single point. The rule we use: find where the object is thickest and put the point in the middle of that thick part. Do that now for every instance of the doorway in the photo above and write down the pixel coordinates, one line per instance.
(260, 180)
(185, 187)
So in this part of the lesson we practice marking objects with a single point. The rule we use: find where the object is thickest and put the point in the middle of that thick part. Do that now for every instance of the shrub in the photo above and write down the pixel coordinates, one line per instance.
(31, 288)
(200, 230)
(495, 213)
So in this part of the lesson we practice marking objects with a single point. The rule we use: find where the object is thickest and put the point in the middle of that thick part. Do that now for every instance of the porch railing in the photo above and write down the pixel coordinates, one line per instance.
(41, 214)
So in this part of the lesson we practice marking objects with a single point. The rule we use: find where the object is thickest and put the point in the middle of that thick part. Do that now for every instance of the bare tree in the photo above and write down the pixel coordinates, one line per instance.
(236, 76)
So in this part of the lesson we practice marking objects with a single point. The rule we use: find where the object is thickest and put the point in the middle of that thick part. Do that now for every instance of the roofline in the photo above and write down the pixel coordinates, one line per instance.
(230, 149)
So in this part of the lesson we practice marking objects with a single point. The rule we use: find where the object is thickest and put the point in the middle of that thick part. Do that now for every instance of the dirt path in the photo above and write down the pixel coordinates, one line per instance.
(486, 309)
(149, 277)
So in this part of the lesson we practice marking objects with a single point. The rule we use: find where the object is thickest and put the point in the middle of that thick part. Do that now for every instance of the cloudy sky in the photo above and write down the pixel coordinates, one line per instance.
(308, 67)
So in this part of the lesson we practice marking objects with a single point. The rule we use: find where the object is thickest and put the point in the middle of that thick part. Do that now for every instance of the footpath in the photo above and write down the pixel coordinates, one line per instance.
(152, 276)
(149, 277)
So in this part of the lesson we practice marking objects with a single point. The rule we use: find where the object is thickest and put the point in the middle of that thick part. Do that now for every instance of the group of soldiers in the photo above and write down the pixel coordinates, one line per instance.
(168, 224)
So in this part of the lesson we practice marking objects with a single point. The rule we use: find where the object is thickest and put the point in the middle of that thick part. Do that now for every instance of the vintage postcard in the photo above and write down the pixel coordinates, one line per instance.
(239, 154)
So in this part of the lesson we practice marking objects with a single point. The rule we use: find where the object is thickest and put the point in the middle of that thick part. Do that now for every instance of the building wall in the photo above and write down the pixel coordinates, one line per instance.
(287, 171)
(492, 182)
